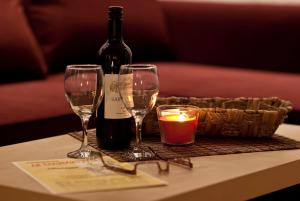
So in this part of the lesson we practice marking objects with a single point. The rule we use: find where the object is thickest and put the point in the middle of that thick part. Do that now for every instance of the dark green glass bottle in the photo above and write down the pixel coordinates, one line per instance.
(113, 125)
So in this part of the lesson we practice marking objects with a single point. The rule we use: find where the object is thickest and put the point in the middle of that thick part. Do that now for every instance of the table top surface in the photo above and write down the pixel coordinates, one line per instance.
(220, 177)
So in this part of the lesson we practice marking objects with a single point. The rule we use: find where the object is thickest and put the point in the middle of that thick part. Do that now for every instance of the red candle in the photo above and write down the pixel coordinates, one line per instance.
(178, 129)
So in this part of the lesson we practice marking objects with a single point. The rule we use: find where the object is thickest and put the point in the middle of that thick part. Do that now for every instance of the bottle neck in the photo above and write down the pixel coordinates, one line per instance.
(115, 30)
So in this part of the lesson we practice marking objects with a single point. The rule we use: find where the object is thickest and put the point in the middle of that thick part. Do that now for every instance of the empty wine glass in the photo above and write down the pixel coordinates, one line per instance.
(138, 87)
(84, 92)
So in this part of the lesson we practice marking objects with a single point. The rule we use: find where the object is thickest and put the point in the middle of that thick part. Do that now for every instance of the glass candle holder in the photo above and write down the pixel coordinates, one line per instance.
(177, 123)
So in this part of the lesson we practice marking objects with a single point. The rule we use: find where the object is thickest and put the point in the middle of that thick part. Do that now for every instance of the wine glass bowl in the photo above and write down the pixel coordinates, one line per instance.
(138, 87)
(84, 92)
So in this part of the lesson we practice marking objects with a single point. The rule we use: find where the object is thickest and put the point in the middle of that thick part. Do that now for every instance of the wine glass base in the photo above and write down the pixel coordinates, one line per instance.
(139, 154)
(83, 154)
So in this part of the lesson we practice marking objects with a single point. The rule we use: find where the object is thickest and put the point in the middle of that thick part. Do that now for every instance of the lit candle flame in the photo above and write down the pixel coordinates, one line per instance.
(176, 116)
(181, 118)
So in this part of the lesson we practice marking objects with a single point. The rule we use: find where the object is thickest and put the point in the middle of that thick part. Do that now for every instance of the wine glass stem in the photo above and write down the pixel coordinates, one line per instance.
(138, 130)
(84, 123)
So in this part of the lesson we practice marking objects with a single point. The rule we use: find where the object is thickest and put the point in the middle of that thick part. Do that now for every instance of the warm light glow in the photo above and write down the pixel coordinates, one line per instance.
(177, 124)
(178, 128)
(178, 118)
(181, 117)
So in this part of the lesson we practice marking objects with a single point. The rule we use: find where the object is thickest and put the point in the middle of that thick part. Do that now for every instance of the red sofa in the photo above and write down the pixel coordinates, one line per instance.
(201, 49)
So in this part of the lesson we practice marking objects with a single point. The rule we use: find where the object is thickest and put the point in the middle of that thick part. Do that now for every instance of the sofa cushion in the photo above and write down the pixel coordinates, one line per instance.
(73, 31)
(186, 79)
(33, 100)
(20, 56)
(35, 109)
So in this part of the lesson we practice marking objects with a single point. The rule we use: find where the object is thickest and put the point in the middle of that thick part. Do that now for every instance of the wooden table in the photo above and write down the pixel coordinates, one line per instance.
(221, 177)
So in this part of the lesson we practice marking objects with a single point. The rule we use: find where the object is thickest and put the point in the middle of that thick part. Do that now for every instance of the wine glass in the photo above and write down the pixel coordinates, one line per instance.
(138, 87)
(84, 92)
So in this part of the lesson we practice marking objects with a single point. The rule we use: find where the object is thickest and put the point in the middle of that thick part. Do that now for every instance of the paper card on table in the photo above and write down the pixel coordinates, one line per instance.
(74, 175)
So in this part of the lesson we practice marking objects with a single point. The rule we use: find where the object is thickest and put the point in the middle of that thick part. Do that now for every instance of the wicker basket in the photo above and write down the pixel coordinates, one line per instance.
(244, 117)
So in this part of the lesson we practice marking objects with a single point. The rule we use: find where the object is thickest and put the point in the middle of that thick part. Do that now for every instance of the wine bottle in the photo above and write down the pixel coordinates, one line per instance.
(113, 125)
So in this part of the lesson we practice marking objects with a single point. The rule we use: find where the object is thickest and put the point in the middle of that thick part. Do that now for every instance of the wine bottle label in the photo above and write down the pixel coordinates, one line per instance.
(114, 107)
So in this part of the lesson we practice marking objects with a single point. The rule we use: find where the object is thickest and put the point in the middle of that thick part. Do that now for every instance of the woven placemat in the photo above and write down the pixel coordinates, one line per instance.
(204, 146)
